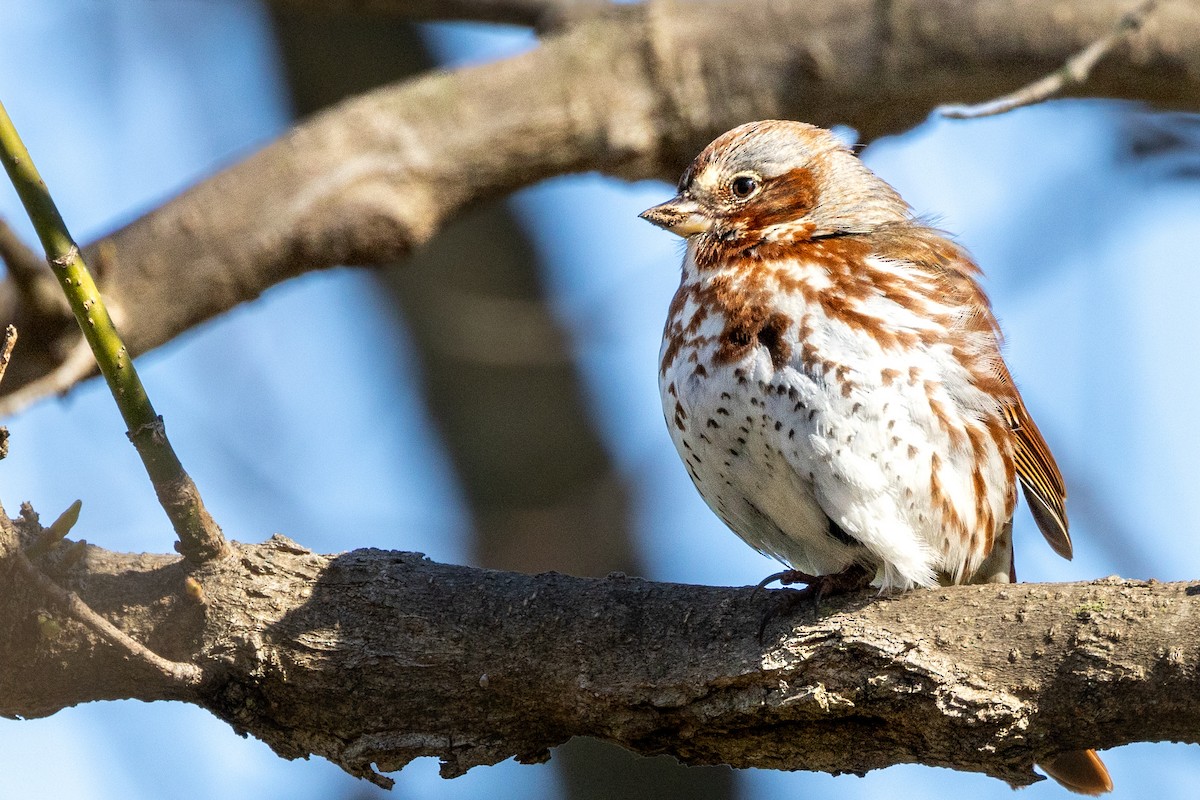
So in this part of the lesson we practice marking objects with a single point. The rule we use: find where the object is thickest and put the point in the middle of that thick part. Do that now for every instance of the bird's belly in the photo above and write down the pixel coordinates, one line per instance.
(746, 435)
(779, 451)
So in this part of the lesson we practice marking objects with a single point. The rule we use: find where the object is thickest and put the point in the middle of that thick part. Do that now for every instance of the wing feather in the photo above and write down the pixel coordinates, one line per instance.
(956, 276)
(1041, 481)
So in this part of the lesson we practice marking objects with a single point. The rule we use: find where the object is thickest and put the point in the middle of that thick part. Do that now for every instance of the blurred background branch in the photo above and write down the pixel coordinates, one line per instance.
(633, 93)
(532, 13)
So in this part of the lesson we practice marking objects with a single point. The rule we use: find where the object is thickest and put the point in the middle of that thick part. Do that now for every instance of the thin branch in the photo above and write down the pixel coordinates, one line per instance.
(10, 341)
(75, 367)
(1074, 72)
(199, 537)
(184, 675)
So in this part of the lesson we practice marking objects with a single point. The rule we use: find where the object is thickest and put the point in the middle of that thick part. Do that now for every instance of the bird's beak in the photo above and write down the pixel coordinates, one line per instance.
(680, 215)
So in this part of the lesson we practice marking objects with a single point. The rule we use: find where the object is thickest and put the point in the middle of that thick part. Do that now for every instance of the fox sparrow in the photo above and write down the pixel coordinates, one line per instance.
(832, 378)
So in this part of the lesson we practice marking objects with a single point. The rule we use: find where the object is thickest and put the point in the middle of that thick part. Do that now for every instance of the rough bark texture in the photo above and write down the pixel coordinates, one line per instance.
(633, 91)
(375, 658)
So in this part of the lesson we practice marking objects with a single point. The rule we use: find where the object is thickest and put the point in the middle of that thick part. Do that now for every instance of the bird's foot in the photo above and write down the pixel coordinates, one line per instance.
(817, 588)
(850, 579)
(787, 577)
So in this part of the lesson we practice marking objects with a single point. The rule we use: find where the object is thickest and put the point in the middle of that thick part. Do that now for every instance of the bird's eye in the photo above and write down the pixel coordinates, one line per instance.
(743, 186)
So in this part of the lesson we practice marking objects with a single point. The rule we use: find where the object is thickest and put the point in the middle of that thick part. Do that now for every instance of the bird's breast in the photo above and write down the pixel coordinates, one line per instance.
(782, 393)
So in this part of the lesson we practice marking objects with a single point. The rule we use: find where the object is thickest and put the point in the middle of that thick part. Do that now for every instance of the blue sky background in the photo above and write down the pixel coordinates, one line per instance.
(1091, 262)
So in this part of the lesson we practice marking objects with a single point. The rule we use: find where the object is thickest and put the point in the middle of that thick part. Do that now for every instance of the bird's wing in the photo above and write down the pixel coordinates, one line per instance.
(1040, 479)
(1042, 483)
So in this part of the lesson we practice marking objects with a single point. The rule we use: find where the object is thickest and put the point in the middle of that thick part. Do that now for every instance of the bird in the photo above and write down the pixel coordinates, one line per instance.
(832, 378)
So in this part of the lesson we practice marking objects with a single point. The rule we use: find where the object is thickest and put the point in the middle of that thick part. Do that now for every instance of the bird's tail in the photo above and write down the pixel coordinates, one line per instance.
(1081, 771)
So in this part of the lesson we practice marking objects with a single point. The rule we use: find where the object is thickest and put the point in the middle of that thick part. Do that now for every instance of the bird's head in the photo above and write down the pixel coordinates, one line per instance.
(778, 181)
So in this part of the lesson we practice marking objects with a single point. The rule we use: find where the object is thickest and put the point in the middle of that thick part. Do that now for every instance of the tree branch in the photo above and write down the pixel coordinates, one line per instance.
(373, 658)
(633, 93)
(183, 674)
(1073, 73)
(29, 274)
(541, 14)
(10, 341)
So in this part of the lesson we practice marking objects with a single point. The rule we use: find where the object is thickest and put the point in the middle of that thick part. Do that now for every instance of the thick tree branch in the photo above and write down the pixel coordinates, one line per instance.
(540, 14)
(374, 658)
(634, 93)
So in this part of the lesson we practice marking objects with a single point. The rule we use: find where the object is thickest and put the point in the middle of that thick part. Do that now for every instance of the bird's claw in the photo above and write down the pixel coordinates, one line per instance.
(787, 577)
(818, 587)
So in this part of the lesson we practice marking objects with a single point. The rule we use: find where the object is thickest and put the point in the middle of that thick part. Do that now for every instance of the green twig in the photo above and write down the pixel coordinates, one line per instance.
(52, 537)
(199, 537)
